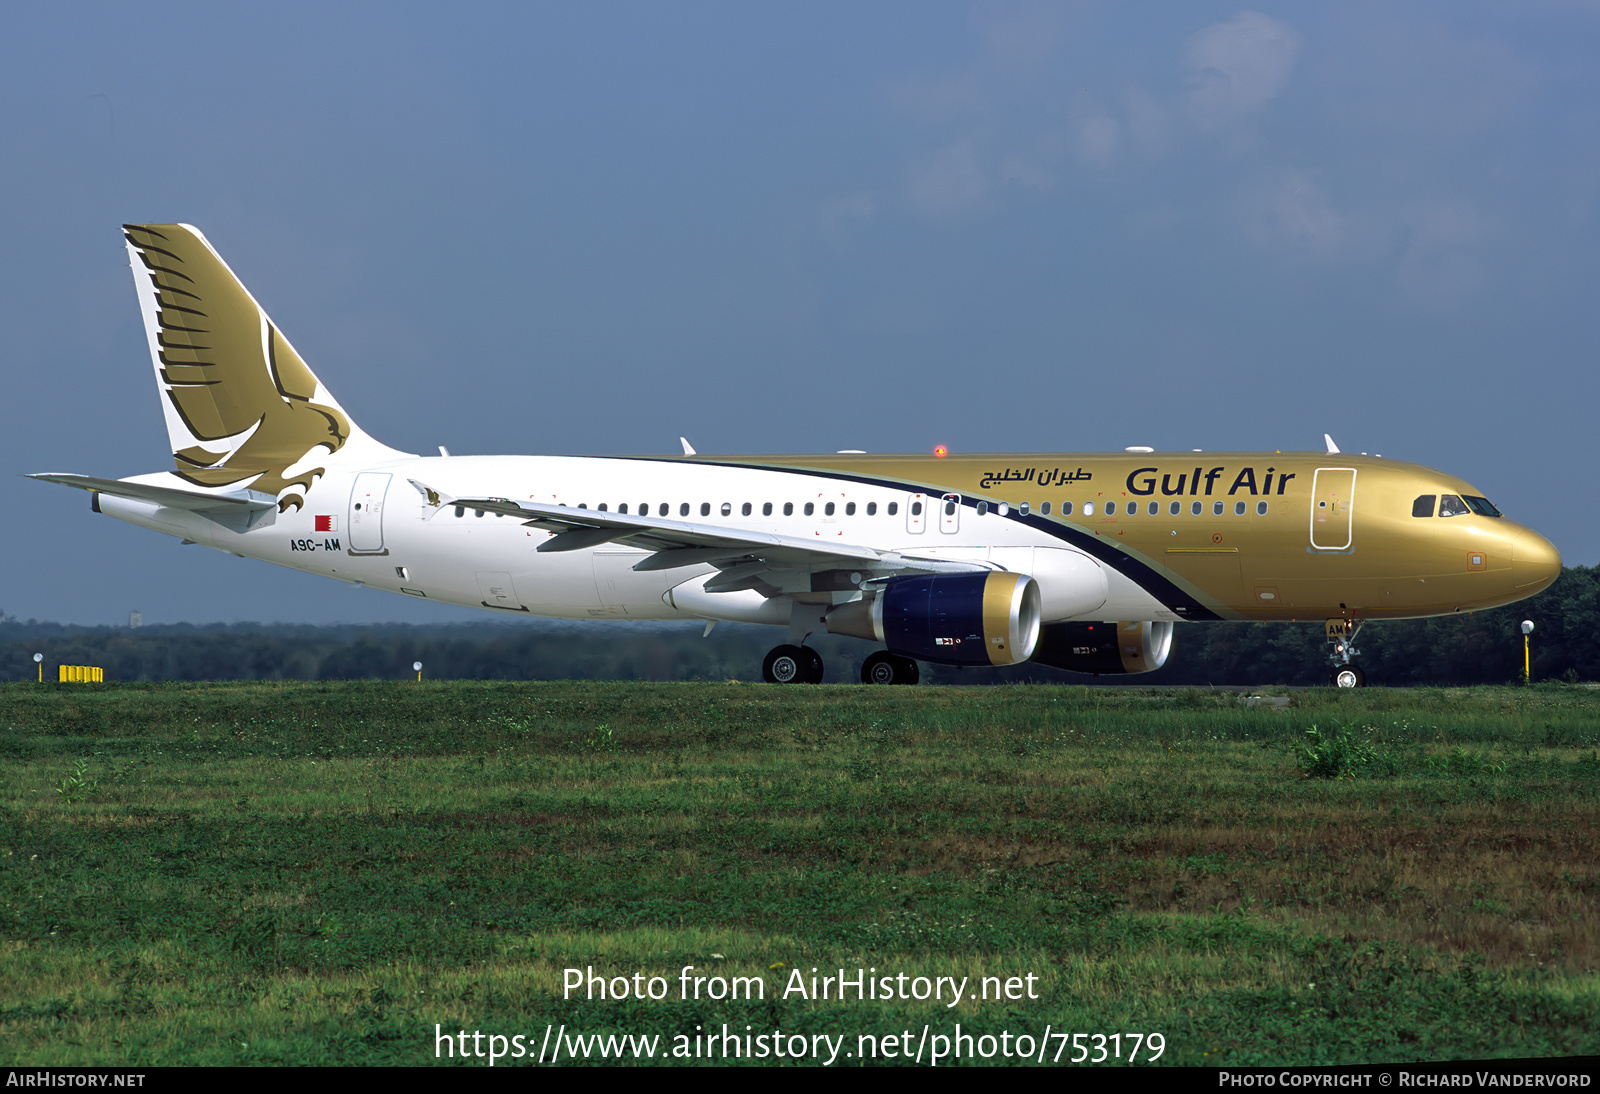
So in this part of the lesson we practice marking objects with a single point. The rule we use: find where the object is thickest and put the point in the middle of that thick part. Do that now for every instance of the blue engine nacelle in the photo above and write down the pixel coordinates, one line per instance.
(987, 618)
(1105, 648)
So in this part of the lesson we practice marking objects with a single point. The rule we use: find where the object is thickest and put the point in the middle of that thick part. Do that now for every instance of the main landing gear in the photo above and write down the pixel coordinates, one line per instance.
(801, 665)
(792, 665)
(884, 667)
(1341, 635)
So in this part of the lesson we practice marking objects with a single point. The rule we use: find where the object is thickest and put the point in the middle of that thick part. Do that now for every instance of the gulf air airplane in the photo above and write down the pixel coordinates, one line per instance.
(1082, 562)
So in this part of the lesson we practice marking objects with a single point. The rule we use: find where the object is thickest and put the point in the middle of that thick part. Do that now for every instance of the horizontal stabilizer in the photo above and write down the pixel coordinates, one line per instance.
(235, 501)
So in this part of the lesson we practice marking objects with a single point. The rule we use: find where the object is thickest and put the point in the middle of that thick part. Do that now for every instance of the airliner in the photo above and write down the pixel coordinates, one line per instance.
(1084, 562)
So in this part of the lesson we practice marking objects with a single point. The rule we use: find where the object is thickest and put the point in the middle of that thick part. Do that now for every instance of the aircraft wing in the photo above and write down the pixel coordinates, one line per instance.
(675, 543)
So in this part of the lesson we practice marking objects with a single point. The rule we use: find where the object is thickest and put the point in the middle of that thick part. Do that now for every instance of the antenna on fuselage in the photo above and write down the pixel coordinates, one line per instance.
(688, 449)
(1332, 448)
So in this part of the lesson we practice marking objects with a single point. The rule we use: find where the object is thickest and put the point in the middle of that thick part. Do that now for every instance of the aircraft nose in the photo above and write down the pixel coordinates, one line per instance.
(1535, 563)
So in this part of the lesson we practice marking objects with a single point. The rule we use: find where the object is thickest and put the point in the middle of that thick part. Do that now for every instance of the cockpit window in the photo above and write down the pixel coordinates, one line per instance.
(1481, 506)
(1452, 506)
(1423, 506)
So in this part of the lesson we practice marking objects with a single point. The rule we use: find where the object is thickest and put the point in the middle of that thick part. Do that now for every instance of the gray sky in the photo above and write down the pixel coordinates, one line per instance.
(589, 228)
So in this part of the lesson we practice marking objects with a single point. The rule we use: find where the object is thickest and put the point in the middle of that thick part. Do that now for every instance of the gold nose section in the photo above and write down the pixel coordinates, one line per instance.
(1535, 563)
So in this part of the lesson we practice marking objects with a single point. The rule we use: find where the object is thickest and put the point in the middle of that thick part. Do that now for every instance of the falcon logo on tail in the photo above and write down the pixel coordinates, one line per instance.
(242, 408)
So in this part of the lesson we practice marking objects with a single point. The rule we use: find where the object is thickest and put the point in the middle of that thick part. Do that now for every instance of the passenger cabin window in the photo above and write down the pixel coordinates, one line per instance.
(1155, 508)
(1044, 509)
(810, 508)
(1022, 509)
(1174, 508)
(666, 508)
(983, 508)
(1452, 506)
(788, 508)
(766, 508)
(916, 509)
(872, 508)
(1194, 510)
(850, 509)
(1423, 506)
(1066, 509)
(1261, 508)
(727, 508)
(745, 511)
(1216, 508)
(683, 510)
(827, 510)
(1238, 508)
(894, 507)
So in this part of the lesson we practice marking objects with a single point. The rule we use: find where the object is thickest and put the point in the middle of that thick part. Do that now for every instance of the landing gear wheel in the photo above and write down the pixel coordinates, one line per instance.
(884, 667)
(1348, 676)
(880, 668)
(784, 665)
(792, 665)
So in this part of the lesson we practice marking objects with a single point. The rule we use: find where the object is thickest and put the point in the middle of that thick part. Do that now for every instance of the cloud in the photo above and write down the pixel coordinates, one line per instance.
(1149, 125)
(1024, 37)
(841, 214)
(1235, 68)
(1442, 265)
(1297, 214)
(938, 101)
(1025, 171)
(951, 181)
(1098, 140)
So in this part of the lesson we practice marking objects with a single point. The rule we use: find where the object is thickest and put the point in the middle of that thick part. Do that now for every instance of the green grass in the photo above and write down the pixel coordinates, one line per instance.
(324, 873)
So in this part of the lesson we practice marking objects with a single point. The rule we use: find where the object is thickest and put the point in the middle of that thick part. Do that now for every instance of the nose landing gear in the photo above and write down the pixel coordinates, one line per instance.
(1341, 635)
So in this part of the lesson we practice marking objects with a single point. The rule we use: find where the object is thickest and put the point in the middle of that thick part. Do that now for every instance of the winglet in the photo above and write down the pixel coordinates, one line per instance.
(1332, 448)
(688, 449)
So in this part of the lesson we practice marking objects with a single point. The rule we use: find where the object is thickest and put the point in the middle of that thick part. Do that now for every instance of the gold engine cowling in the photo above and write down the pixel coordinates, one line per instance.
(1104, 648)
(989, 618)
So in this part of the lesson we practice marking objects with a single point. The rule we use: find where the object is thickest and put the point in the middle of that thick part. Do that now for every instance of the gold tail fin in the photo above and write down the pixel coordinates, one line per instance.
(240, 403)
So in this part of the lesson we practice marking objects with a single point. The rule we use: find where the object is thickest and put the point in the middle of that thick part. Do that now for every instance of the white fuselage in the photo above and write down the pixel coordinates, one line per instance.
(459, 555)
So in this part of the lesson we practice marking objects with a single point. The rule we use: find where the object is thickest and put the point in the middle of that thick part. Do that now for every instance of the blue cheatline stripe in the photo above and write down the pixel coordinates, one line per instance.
(1140, 573)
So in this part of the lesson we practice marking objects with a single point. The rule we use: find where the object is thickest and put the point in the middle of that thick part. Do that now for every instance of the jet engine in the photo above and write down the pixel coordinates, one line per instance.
(951, 619)
(1104, 648)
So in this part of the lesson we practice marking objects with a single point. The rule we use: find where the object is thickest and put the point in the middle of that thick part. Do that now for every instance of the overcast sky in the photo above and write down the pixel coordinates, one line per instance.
(589, 228)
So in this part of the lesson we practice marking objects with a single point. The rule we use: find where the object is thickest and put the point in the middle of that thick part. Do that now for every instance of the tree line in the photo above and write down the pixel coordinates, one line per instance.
(1471, 648)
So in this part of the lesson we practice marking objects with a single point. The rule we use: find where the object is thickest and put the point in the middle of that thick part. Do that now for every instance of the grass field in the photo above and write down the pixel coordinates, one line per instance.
(335, 873)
